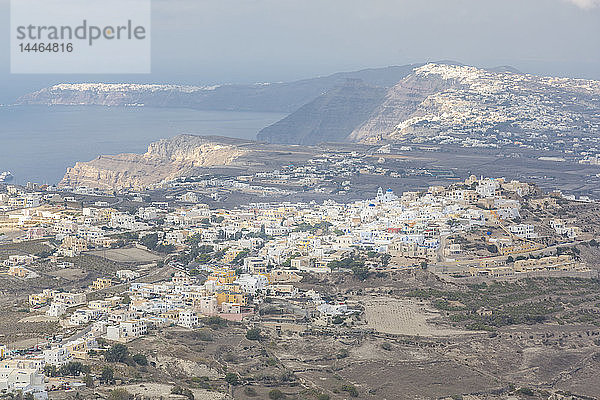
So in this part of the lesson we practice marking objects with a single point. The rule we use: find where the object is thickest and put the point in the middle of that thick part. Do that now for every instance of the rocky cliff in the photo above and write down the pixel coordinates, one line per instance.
(331, 117)
(180, 156)
(456, 102)
(164, 160)
(447, 103)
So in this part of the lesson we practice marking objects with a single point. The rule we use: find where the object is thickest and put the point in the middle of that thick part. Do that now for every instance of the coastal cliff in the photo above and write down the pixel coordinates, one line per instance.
(164, 160)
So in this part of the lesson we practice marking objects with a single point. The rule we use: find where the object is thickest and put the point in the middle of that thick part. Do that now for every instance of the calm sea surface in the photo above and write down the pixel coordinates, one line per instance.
(38, 143)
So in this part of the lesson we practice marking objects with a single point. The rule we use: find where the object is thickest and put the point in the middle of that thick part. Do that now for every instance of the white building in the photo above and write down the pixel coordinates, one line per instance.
(127, 275)
(56, 309)
(252, 284)
(207, 305)
(187, 319)
(525, 231)
(57, 356)
(126, 330)
(23, 375)
(332, 309)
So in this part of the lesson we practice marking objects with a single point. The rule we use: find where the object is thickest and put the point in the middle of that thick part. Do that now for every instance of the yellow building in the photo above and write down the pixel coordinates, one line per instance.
(521, 248)
(102, 283)
(229, 297)
(18, 271)
(74, 244)
(553, 263)
(223, 276)
(172, 315)
(39, 299)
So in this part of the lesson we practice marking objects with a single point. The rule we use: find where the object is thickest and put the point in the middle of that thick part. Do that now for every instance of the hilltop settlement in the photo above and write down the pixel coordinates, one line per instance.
(160, 294)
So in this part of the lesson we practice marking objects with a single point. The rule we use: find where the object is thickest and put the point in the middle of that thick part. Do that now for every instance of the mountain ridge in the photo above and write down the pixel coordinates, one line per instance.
(261, 97)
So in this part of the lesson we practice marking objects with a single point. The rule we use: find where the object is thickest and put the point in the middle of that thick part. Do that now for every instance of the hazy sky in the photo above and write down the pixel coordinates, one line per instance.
(239, 41)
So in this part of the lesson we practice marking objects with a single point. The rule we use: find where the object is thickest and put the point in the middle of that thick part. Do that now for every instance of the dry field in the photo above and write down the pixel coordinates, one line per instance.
(160, 391)
(404, 317)
(128, 255)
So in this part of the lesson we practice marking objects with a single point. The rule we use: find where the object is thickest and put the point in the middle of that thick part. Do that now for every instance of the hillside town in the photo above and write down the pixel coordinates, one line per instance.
(197, 264)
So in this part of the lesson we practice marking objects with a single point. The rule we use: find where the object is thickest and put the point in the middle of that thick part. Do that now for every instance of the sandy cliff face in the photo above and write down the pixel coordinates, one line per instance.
(164, 160)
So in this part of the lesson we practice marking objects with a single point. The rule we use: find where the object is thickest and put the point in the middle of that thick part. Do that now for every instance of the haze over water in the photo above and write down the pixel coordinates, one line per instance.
(38, 143)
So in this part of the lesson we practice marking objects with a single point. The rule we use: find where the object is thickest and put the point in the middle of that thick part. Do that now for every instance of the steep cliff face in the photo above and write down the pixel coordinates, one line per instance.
(331, 117)
(452, 101)
(400, 103)
(164, 160)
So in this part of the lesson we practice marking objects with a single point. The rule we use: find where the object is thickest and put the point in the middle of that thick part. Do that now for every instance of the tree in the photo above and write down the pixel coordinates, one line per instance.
(117, 353)
(351, 389)
(232, 378)
(89, 381)
(150, 241)
(526, 391)
(360, 271)
(239, 258)
(120, 394)
(276, 394)
(385, 260)
(183, 392)
(74, 368)
(253, 334)
(50, 370)
(140, 359)
(108, 375)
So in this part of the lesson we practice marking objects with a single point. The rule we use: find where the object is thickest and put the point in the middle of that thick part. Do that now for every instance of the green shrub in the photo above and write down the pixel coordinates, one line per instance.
(204, 335)
(232, 378)
(525, 391)
(276, 394)
(351, 390)
(120, 394)
(117, 353)
(386, 346)
(140, 359)
(343, 353)
(253, 334)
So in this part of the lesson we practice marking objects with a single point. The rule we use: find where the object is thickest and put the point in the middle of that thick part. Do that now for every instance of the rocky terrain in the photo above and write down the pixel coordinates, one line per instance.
(329, 117)
(449, 103)
(172, 158)
(452, 100)
(165, 159)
